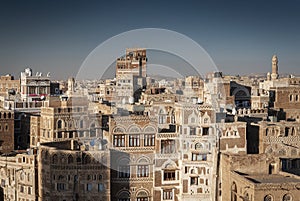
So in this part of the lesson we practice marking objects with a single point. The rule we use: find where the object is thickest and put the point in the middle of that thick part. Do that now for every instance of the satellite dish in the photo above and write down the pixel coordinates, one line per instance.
(11, 92)
(42, 97)
(200, 101)
(92, 143)
(131, 100)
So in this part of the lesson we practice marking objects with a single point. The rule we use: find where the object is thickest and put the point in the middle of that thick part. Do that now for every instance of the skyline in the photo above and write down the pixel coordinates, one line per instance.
(57, 36)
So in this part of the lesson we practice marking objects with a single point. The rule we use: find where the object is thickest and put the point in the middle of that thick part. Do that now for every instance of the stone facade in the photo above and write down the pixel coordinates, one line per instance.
(233, 137)
(18, 177)
(6, 131)
(68, 172)
(34, 87)
(221, 138)
(278, 138)
(69, 118)
(8, 83)
(288, 100)
(131, 75)
(255, 177)
(133, 142)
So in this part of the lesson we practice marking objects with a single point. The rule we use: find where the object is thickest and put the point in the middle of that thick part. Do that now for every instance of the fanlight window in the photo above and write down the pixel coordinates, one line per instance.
(143, 160)
(287, 197)
(134, 130)
(268, 198)
(161, 111)
(149, 129)
(198, 146)
(124, 196)
(170, 166)
(142, 196)
(119, 130)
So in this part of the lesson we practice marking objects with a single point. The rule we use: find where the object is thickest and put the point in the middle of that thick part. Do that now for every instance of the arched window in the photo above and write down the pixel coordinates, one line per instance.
(233, 192)
(70, 159)
(193, 120)
(287, 197)
(294, 152)
(246, 197)
(293, 131)
(22, 176)
(124, 168)
(28, 177)
(100, 177)
(149, 129)
(282, 152)
(71, 124)
(92, 130)
(4, 115)
(59, 123)
(134, 129)
(119, 130)
(54, 159)
(62, 159)
(59, 134)
(268, 198)
(87, 159)
(71, 134)
(46, 156)
(81, 124)
(60, 177)
(143, 168)
(291, 97)
(161, 117)
(142, 196)
(198, 146)
(124, 196)
(9, 115)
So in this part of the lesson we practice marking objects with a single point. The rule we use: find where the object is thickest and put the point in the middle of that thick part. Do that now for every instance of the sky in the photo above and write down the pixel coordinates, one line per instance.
(58, 35)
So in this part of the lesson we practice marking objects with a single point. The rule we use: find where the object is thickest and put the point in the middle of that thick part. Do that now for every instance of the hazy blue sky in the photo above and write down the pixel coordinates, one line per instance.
(57, 35)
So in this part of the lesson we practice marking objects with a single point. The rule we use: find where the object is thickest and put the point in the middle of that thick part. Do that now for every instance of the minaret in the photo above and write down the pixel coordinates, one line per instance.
(71, 86)
(274, 74)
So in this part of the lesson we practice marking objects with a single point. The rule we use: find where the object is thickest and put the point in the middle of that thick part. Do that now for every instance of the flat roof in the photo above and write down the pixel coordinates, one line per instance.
(269, 178)
(274, 178)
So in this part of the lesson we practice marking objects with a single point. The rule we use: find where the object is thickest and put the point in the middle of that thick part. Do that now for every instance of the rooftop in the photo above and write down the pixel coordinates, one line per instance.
(269, 178)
